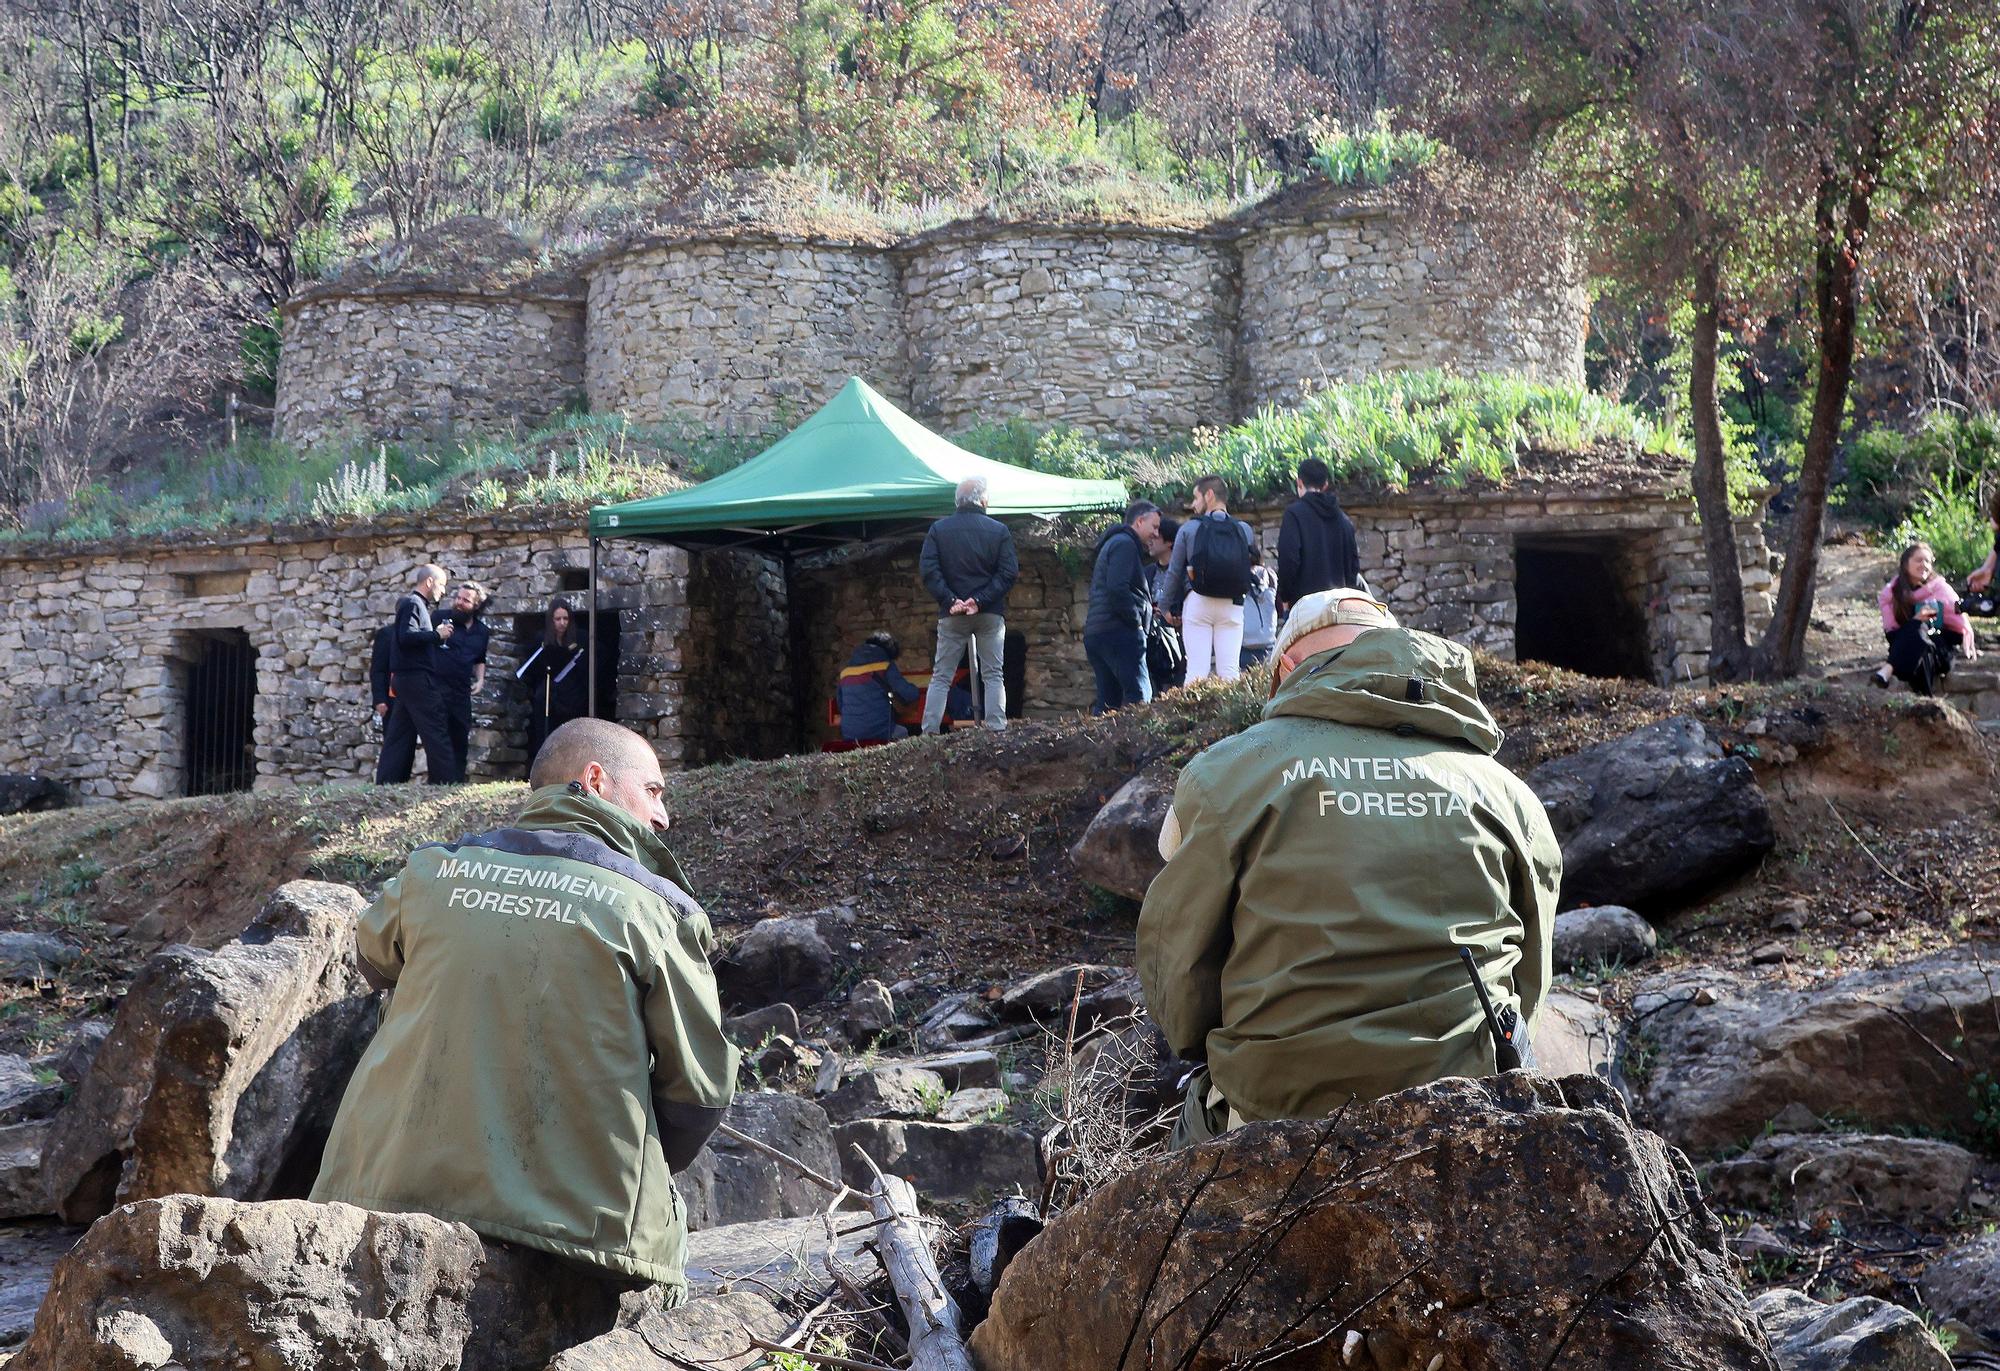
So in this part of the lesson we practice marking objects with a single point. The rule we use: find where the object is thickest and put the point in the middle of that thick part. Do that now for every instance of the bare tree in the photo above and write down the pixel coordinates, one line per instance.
(72, 369)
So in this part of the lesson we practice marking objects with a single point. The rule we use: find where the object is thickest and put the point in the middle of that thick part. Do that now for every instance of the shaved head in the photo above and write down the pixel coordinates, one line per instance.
(580, 742)
(598, 757)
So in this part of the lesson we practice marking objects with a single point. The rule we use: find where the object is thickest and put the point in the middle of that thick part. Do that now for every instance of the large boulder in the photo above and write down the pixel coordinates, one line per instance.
(26, 956)
(28, 1090)
(778, 1253)
(1886, 1050)
(1578, 1037)
(223, 1069)
(1653, 818)
(887, 1092)
(290, 1286)
(24, 1189)
(1045, 997)
(1964, 1285)
(944, 1161)
(1861, 1334)
(28, 1257)
(778, 959)
(1120, 850)
(1505, 1223)
(729, 1182)
(1604, 935)
(1858, 1174)
(711, 1332)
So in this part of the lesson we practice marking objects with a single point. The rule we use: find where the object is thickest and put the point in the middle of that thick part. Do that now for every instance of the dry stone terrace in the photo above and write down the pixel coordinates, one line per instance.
(1128, 332)
(140, 669)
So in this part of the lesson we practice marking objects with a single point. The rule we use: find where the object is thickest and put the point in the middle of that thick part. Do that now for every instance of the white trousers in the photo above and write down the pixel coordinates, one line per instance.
(1212, 632)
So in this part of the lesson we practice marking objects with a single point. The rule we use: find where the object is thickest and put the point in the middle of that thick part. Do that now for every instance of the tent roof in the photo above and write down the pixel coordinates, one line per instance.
(858, 469)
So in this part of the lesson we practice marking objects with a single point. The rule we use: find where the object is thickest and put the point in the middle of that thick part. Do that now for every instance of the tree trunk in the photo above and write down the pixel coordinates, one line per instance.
(1836, 298)
(1727, 651)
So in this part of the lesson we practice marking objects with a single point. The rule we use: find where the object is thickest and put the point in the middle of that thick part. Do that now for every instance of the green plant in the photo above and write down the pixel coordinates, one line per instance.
(356, 488)
(930, 1094)
(1373, 156)
(79, 876)
(1986, 1111)
(1947, 515)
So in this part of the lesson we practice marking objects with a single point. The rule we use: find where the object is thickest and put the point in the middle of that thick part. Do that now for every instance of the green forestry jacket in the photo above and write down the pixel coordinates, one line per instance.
(1332, 859)
(552, 1045)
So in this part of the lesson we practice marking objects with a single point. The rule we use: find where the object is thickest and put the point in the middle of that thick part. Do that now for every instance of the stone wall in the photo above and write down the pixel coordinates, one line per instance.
(422, 366)
(741, 334)
(96, 645)
(1125, 334)
(1345, 297)
(1445, 563)
(846, 597)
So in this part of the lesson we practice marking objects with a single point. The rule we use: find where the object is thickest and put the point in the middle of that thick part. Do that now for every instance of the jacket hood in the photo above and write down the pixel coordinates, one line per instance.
(1113, 532)
(557, 806)
(869, 652)
(1324, 503)
(1393, 678)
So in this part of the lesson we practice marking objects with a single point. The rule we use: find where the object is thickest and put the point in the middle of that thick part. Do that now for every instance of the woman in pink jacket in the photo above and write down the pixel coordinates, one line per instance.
(1920, 616)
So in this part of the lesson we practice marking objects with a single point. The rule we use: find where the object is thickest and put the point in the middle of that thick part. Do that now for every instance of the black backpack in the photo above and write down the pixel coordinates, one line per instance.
(1219, 566)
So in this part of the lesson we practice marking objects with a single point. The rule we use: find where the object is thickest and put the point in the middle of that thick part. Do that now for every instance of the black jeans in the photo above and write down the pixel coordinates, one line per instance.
(1921, 656)
(458, 723)
(418, 713)
(1118, 660)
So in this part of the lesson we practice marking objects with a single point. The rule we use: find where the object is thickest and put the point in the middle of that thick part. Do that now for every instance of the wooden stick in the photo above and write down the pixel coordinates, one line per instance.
(823, 1358)
(738, 1135)
(936, 1344)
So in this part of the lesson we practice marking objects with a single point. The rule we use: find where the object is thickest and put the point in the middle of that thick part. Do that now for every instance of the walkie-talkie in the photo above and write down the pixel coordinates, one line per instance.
(1506, 1056)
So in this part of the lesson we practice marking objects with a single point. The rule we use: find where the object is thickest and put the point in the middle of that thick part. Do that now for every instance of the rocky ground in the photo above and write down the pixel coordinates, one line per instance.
(1783, 958)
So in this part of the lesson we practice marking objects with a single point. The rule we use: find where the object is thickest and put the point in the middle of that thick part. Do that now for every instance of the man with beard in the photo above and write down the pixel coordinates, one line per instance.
(461, 668)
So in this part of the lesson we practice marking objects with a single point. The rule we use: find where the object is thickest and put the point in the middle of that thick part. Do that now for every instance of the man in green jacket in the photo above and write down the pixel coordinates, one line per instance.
(1325, 866)
(553, 1049)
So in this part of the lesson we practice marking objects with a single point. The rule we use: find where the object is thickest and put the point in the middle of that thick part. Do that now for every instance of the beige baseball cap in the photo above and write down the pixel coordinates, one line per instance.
(1330, 609)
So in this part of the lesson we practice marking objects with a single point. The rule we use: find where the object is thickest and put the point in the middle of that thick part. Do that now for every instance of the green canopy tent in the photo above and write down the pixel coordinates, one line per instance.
(859, 470)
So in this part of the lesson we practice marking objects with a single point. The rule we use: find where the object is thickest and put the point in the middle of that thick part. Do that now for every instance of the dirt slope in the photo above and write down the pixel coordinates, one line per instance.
(953, 852)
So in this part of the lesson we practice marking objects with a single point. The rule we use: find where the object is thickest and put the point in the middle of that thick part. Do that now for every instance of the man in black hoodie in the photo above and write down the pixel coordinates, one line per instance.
(1315, 540)
(1114, 634)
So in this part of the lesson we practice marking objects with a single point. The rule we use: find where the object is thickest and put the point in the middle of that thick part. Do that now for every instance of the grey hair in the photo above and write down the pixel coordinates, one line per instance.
(427, 571)
(971, 493)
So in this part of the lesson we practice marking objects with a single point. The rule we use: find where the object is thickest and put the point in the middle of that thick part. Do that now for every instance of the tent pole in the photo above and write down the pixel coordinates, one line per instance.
(801, 665)
(591, 709)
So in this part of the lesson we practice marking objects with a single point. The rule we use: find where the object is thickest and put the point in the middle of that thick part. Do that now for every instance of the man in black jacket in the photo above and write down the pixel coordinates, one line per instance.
(420, 710)
(461, 669)
(1114, 633)
(968, 566)
(1315, 540)
(381, 690)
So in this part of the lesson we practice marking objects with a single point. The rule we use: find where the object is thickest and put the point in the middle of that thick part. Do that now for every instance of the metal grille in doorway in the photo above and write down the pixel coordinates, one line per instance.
(219, 702)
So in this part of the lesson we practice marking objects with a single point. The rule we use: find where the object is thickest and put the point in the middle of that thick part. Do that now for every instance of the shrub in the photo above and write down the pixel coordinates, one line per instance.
(1886, 469)
(1373, 156)
(357, 488)
(1948, 515)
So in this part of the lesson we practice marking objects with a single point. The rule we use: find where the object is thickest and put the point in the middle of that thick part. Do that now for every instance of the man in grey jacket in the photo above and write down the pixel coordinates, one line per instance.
(968, 566)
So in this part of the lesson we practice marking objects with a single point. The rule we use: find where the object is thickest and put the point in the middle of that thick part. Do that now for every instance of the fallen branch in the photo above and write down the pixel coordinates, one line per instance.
(822, 1358)
(786, 1158)
(1914, 890)
(936, 1342)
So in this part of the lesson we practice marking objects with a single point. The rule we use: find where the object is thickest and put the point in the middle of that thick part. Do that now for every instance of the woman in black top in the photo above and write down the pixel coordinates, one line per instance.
(557, 677)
